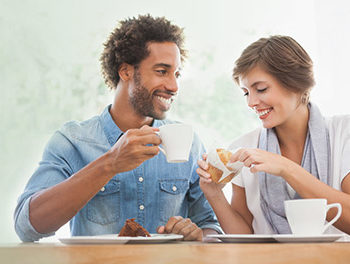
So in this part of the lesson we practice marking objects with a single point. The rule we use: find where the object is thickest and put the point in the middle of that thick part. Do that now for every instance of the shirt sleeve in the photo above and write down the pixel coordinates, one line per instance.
(345, 158)
(200, 211)
(53, 169)
(238, 179)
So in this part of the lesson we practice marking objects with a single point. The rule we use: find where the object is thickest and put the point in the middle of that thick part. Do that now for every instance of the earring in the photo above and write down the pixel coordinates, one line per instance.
(305, 98)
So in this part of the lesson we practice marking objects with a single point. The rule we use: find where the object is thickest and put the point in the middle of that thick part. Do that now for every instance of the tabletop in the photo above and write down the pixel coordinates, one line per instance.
(179, 252)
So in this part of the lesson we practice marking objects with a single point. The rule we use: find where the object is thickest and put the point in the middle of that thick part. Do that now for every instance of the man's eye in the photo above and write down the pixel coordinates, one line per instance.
(178, 75)
(162, 72)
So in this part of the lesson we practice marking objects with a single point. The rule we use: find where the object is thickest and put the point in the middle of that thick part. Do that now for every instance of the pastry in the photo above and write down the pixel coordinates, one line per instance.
(133, 229)
(216, 173)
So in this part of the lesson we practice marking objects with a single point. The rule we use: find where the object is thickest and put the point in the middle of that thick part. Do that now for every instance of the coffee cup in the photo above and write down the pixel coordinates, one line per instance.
(308, 216)
(176, 141)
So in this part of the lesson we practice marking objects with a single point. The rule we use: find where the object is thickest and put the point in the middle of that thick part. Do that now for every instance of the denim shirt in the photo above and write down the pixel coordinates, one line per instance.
(151, 193)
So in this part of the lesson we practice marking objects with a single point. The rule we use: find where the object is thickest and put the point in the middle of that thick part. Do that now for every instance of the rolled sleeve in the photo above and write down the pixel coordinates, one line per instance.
(52, 170)
(24, 229)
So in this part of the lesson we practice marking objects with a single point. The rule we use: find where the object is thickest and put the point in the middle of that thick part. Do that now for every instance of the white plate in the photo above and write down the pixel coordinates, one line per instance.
(115, 239)
(233, 238)
(306, 239)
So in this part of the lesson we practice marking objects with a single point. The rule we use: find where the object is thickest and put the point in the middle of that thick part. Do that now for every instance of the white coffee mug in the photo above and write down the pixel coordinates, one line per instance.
(308, 216)
(176, 141)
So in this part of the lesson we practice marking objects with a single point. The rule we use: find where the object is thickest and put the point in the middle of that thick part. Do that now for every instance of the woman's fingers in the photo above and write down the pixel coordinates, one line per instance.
(203, 165)
(202, 173)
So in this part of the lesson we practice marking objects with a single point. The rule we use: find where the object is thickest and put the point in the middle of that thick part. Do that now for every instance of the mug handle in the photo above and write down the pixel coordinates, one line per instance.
(329, 206)
(160, 148)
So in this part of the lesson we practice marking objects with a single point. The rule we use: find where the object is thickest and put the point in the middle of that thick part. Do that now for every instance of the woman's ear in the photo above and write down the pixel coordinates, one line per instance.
(126, 72)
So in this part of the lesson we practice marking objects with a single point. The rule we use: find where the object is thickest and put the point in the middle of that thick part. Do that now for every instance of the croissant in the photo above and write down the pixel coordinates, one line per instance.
(216, 173)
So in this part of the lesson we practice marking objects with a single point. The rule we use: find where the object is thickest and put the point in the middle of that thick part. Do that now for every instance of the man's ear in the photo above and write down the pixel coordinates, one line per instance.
(126, 71)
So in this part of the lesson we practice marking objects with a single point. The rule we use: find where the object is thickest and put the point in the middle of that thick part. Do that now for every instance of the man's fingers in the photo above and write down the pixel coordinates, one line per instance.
(188, 229)
(160, 229)
(149, 129)
(196, 234)
(148, 139)
(149, 150)
(171, 223)
(183, 226)
(180, 225)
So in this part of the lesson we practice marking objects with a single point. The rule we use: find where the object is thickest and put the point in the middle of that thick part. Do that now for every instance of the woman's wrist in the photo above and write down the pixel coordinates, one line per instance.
(213, 193)
(289, 169)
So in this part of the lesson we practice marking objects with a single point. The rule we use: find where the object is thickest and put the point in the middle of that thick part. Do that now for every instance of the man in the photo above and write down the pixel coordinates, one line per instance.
(100, 172)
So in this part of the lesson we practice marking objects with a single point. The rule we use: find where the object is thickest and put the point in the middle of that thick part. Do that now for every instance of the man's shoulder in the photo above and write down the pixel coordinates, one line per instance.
(88, 130)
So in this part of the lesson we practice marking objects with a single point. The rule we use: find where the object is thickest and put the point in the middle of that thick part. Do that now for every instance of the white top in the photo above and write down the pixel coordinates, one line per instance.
(339, 134)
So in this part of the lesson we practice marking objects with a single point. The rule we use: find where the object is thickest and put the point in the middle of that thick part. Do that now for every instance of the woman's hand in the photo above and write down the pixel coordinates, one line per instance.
(205, 182)
(261, 160)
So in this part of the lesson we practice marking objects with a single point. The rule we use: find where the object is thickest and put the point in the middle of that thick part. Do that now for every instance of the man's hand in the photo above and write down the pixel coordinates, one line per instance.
(133, 148)
(182, 226)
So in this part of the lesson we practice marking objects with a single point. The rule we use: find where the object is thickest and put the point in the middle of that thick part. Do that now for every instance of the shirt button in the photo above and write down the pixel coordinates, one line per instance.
(174, 188)
(140, 179)
(141, 207)
(103, 189)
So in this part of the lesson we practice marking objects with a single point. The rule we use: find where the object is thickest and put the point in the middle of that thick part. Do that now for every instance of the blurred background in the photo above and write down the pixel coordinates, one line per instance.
(50, 70)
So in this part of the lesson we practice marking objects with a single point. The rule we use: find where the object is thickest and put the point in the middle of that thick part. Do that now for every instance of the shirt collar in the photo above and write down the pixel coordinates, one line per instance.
(112, 131)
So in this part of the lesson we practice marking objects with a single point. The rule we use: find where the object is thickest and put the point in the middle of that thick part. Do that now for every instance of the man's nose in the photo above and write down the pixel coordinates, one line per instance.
(172, 84)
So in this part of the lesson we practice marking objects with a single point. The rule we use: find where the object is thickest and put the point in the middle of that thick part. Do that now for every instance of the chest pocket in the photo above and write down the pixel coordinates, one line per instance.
(104, 208)
(172, 198)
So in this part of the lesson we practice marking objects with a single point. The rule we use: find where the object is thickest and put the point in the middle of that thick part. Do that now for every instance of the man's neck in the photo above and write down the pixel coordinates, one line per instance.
(124, 116)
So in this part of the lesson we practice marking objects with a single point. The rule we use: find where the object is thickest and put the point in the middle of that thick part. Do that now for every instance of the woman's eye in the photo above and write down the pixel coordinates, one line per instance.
(246, 94)
(261, 90)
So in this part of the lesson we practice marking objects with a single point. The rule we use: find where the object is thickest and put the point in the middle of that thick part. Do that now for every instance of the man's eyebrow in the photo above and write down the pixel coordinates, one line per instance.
(165, 65)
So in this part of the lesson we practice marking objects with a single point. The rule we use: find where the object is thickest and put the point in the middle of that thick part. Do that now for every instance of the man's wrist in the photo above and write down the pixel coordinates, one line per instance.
(109, 164)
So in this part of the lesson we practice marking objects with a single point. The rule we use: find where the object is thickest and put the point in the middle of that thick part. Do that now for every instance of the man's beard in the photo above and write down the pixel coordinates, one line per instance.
(141, 100)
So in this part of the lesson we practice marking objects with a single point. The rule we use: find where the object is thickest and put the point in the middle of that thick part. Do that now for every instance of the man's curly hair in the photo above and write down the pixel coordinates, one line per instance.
(128, 43)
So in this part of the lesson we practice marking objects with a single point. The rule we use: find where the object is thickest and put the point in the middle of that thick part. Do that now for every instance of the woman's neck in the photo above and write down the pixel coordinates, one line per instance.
(292, 134)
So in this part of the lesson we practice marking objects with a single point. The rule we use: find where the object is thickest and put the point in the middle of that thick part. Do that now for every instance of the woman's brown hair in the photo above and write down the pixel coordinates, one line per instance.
(283, 58)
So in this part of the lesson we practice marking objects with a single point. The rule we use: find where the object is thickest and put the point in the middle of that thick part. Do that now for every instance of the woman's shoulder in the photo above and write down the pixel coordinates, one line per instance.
(248, 140)
(338, 122)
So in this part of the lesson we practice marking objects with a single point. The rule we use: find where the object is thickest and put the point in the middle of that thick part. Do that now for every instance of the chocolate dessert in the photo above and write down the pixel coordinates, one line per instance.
(133, 229)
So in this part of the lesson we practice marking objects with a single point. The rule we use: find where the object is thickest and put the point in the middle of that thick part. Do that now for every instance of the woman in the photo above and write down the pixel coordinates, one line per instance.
(297, 154)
